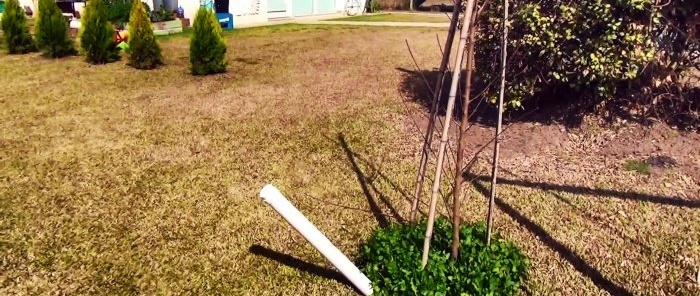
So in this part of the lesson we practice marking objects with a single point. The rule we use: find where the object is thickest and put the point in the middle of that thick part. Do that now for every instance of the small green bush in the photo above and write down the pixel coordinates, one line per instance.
(97, 35)
(144, 52)
(14, 27)
(207, 46)
(392, 261)
(51, 31)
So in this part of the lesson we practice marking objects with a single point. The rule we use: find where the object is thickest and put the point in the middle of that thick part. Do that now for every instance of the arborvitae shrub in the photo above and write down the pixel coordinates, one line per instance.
(392, 261)
(51, 31)
(144, 52)
(97, 35)
(207, 46)
(14, 29)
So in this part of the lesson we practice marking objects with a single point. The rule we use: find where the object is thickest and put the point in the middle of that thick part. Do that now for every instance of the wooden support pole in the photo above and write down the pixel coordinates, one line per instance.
(496, 146)
(445, 131)
(437, 93)
(462, 141)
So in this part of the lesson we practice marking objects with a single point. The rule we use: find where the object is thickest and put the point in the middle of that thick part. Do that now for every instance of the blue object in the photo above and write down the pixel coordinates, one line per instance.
(180, 12)
(225, 19)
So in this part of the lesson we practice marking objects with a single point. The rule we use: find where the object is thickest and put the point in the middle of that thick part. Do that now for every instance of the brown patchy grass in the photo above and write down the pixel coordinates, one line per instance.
(117, 181)
(398, 17)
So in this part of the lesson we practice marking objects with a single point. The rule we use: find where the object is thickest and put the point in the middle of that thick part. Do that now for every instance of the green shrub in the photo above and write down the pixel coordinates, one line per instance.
(144, 52)
(161, 15)
(117, 11)
(15, 32)
(51, 31)
(586, 47)
(97, 35)
(207, 46)
(392, 261)
(374, 6)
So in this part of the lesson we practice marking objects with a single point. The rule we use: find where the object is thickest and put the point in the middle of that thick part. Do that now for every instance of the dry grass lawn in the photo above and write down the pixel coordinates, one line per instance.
(398, 17)
(115, 181)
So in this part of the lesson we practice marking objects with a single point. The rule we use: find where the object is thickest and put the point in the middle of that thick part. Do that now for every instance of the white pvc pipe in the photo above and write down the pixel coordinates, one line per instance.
(274, 197)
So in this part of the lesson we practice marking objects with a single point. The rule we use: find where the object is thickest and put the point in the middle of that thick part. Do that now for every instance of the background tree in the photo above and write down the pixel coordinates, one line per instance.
(15, 31)
(97, 35)
(144, 52)
(51, 31)
(207, 46)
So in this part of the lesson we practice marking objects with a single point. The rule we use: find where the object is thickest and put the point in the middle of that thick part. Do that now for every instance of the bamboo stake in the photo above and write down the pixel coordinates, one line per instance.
(437, 93)
(496, 146)
(445, 131)
(461, 144)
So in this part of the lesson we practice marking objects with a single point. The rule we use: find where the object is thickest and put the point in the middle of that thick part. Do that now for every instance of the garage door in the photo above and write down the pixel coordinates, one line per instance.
(302, 7)
(325, 6)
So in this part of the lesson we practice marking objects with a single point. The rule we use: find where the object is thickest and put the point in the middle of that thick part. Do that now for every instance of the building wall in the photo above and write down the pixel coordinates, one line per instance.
(257, 11)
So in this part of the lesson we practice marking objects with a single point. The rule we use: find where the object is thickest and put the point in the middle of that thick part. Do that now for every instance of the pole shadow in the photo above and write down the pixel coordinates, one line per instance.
(368, 187)
(663, 200)
(301, 265)
(542, 235)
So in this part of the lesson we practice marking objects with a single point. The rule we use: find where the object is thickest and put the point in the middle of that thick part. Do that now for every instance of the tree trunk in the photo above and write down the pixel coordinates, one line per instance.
(461, 145)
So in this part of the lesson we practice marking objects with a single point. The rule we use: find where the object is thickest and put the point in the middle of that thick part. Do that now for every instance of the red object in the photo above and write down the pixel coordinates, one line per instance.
(118, 37)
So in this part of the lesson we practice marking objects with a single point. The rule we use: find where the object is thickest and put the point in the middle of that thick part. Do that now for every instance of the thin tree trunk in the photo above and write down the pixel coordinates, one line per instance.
(437, 93)
(461, 145)
(496, 146)
(445, 131)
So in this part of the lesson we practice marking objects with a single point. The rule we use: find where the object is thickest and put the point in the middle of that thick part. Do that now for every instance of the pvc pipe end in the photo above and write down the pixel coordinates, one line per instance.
(268, 192)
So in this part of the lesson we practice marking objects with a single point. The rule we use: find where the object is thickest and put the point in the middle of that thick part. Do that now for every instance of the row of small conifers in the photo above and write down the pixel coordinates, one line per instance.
(96, 37)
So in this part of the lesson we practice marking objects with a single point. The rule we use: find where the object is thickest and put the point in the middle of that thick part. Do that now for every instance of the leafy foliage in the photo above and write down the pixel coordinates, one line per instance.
(15, 32)
(161, 15)
(144, 52)
(678, 35)
(576, 46)
(117, 11)
(97, 35)
(374, 6)
(391, 259)
(207, 46)
(51, 31)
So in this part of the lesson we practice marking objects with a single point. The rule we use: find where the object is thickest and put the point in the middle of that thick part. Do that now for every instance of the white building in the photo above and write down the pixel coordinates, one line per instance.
(245, 12)
(257, 11)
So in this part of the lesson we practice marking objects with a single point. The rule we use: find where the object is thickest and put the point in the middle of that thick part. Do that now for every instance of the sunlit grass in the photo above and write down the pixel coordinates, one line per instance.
(117, 181)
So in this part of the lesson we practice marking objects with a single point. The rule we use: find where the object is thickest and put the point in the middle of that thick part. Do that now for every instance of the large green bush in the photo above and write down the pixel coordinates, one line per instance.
(51, 31)
(144, 52)
(392, 261)
(586, 47)
(14, 29)
(207, 46)
(97, 35)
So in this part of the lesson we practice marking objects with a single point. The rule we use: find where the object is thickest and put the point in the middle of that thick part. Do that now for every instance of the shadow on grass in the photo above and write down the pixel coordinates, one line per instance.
(663, 200)
(574, 259)
(301, 265)
(369, 189)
